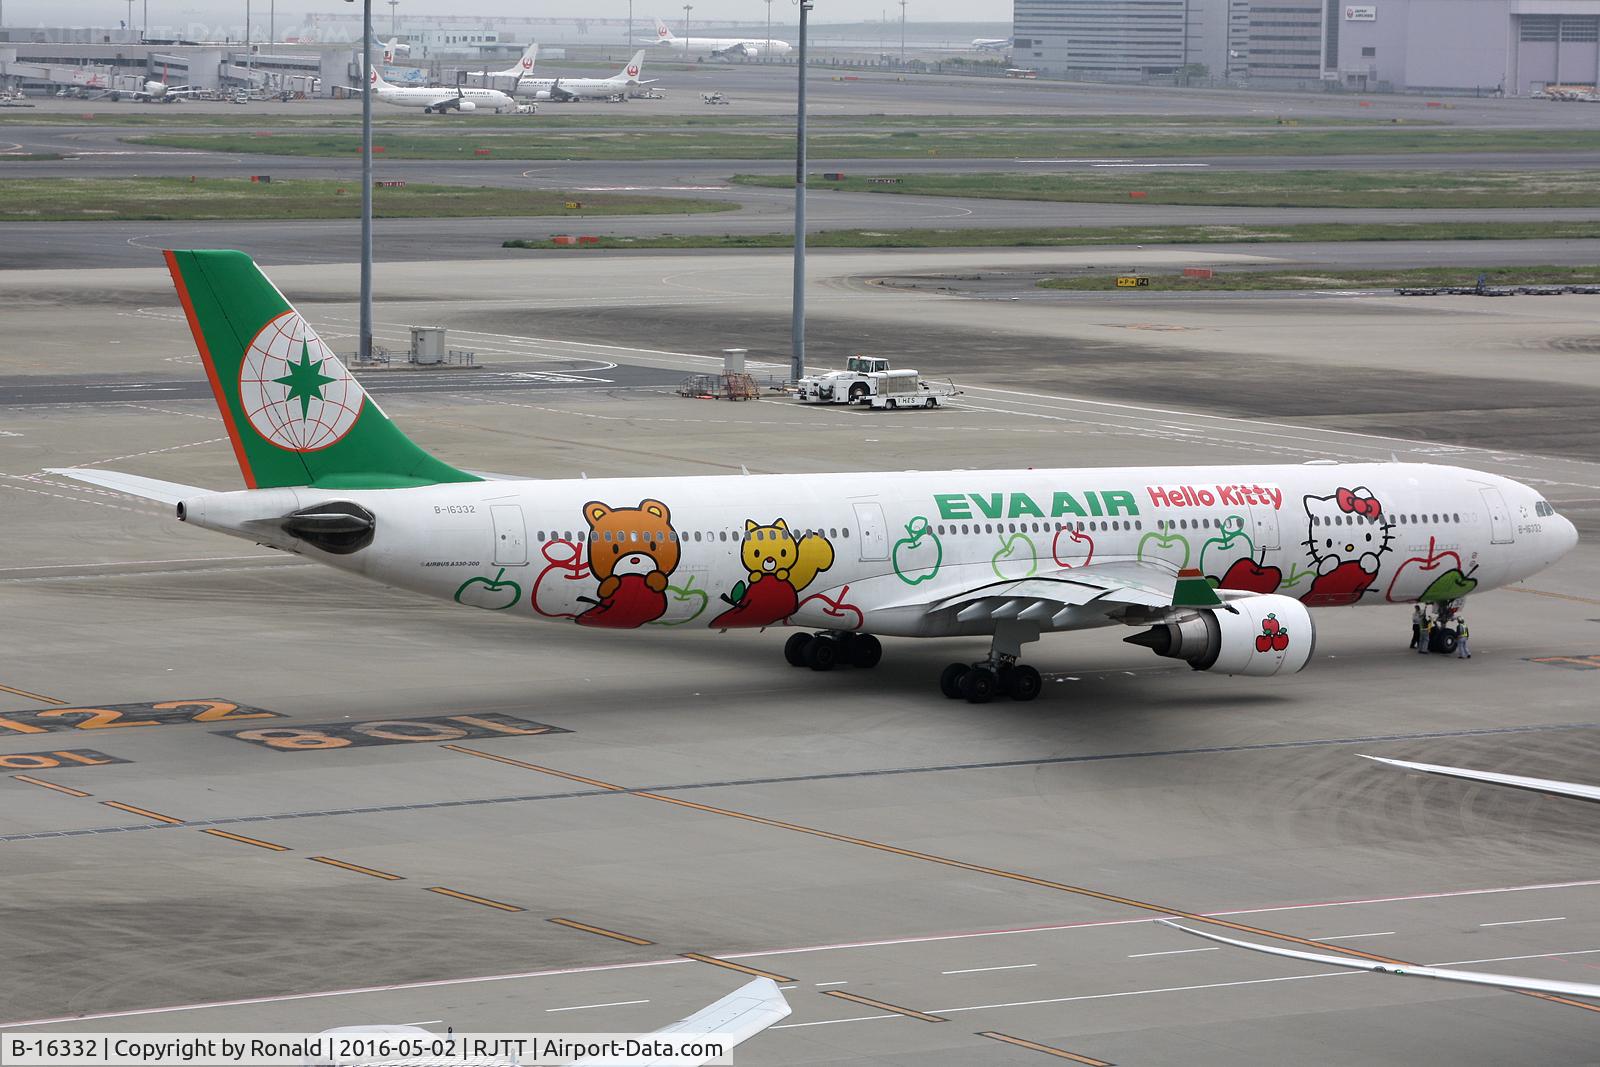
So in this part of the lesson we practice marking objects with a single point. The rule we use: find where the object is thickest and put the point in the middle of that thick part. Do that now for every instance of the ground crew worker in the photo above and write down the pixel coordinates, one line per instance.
(1417, 619)
(1423, 632)
(1462, 651)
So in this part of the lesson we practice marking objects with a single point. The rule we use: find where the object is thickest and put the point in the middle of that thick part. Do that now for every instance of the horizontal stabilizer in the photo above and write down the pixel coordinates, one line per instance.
(131, 484)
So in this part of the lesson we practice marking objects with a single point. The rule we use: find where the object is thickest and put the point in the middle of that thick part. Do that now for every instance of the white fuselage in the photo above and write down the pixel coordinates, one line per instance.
(581, 88)
(749, 46)
(897, 543)
(443, 98)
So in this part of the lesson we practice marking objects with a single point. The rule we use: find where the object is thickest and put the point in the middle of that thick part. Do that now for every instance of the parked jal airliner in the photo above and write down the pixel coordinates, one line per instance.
(1216, 566)
(569, 90)
(440, 99)
(726, 47)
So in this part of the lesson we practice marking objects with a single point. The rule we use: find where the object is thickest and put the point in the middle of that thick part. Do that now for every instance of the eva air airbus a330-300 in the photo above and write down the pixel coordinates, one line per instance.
(1215, 566)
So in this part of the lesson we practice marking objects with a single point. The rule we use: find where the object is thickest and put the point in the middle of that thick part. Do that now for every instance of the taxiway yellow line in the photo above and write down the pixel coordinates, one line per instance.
(40, 697)
(602, 931)
(51, 785)
(330, 861)
(975, 868)
(857, 998)
(248, 840)
(700, 957)
(485, 901)
(1048, 1050)
(120, 806)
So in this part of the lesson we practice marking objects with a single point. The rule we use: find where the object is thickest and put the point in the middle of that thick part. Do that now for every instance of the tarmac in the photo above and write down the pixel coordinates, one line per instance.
(967, 877)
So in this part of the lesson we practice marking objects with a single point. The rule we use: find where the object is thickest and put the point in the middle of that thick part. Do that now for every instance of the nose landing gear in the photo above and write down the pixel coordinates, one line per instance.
(827, 649)
(979, 683)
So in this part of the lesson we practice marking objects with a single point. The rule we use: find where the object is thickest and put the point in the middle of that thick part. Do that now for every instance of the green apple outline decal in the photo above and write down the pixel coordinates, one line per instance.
(1296, 575)
(483, 592)
(910, 561)
(1229, 535)
(1005, 554)
(1163, 539)
(683, 594)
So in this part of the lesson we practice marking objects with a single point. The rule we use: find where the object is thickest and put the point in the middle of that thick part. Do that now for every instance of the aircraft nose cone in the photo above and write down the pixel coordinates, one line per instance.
(1566, 536)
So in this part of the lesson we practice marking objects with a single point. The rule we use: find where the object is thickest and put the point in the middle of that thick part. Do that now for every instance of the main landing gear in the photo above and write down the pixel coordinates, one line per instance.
(1000, 674)
(827, 649)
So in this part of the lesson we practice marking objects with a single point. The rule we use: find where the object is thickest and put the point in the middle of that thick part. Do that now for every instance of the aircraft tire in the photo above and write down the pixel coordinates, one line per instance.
(978, 685)
(822, 654)
(865, 651)
(1022, 683)
(1443, 640)
(794, 649)
(858, 393)
(950, 680)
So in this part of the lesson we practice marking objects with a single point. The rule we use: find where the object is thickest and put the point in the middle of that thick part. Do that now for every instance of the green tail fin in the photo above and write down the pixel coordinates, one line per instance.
(293, 412)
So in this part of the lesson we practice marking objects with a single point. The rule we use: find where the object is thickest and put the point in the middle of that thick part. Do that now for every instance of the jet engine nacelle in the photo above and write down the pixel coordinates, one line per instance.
(467, 105)
(543, 94)
(1258, 636)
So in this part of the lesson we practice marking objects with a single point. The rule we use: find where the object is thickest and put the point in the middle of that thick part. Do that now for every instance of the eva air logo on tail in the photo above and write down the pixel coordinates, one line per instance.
(294, 391)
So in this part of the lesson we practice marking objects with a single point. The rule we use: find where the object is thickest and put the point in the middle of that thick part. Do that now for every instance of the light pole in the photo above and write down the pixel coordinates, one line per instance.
(246, 23)
(364, 341)
(686, 9)
(394, 17)
(630, 23)
(272, 21)
(903, 33)
(797, 322)
(768, 52)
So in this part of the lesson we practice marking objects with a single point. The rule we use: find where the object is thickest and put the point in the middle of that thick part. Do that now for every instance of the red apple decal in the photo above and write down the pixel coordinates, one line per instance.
(1413, 577)
(836, 608)
(1252, 576)
(563, 580)
(1077, 552)
(1273, 637)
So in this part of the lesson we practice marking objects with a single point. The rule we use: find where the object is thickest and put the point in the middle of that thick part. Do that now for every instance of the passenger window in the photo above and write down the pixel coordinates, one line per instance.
(844, 531)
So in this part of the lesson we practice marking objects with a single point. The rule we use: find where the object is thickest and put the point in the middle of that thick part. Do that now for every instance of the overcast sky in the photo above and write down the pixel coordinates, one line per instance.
(23, 13)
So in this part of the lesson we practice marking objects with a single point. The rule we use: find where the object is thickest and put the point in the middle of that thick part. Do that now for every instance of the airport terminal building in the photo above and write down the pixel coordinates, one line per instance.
(1446, 46)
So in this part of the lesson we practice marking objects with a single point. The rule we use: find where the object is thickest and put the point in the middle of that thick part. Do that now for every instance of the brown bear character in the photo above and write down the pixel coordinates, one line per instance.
(631, 553)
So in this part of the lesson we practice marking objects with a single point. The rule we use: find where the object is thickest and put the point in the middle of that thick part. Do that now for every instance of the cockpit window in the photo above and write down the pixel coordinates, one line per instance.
(1543, 507)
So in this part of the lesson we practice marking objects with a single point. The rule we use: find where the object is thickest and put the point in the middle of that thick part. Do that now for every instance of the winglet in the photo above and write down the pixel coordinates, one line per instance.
(1193, 591)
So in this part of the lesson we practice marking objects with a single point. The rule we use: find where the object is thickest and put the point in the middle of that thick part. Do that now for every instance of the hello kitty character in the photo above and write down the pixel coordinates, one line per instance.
(1347, 537)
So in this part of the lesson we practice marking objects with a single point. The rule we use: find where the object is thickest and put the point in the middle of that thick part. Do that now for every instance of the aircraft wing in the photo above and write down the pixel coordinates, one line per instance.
(131, 484)
(1105, 587)
(1576, 790)
(737, 1017)
(1499, 981)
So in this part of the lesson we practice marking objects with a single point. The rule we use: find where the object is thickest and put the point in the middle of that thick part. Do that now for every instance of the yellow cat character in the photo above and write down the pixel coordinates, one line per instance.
(773, 550)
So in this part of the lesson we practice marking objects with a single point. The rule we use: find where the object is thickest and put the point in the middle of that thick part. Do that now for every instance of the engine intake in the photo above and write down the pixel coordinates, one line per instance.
(1259, 636)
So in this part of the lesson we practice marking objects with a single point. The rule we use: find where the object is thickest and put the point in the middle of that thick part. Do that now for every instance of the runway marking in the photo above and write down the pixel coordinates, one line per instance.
(1352, 937)
(823, 985)
(485, 901)
(169, 820)
(248, 840)
(754, 972)
(1520, 922)
(1014, 876)
(985, 970)
(602, 931)
(1172, 952)
(1552, 595)
(608, 1004)
(40, 697)
(51, 785)
(1578, 663)
(330, 861)
(857, 998)
(1048, 1050)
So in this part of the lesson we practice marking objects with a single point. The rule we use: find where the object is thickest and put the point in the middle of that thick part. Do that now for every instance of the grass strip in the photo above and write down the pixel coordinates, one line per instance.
(168, 199)
(1117, 235)
(1022, 143)
(1223, 188)
(1276, 280)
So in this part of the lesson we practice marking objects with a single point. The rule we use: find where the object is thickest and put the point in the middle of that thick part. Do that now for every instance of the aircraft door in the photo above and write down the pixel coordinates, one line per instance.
(1499, 517)
(1264, 520)
(510, 535)
(873, 532)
